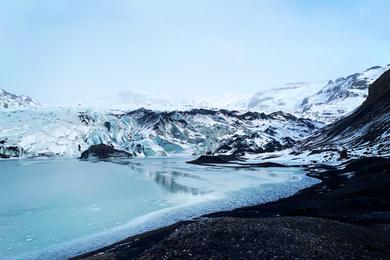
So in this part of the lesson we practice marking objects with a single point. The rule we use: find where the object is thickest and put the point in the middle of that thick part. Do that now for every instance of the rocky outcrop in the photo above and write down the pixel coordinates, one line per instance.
(237, 161)
(10, 151)
(104, 152)
(215, 159)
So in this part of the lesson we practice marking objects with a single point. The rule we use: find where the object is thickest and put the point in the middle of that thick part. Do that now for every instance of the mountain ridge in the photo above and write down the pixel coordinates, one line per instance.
(366, 129)
(325, 101)
(10, 100)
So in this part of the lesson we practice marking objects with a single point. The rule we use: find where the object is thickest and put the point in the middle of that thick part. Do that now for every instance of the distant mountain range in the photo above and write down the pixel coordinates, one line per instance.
(9, 100)
(66, 132)
(324, 101)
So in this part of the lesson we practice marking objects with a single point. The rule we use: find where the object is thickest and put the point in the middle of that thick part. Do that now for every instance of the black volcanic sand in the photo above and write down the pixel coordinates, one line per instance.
(215, 159)
(236, 160)
(346, 216)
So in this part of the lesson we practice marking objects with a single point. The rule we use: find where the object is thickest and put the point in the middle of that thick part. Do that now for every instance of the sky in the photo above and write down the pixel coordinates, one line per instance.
(72, 50)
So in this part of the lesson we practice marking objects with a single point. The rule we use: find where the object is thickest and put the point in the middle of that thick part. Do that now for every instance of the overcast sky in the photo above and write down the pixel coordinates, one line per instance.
(70, 49)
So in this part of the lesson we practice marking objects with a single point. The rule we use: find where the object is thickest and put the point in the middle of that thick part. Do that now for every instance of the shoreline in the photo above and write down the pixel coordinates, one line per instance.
(344, 196)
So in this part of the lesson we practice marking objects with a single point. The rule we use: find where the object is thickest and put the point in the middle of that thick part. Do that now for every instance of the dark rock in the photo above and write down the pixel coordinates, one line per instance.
(343, 154)
(207, 159)
(86, 118)
(264, 165)
(289, 142)
(4, 156)
(360, 84)
(10, 151)
(107, 125)
(274, 146)
(270, 131)
(139, 148)
(102, 152)
(305, 101)
(374, 67)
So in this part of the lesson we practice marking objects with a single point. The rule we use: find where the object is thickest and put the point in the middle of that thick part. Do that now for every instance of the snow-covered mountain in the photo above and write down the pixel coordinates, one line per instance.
(365, 131)
(129, 100)
(67, 132)
(324, 101)
(142, 132)
(9, 100)
(286, 98)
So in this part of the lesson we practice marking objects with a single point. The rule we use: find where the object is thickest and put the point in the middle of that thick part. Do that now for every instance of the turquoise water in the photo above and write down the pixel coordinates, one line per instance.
(59, 208)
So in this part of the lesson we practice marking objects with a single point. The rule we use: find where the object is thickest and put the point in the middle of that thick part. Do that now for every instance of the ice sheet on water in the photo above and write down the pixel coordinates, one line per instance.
(87, 205)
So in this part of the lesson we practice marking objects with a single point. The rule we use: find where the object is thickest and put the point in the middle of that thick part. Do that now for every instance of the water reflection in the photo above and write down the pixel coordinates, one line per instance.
(175, 177)
(168, 179)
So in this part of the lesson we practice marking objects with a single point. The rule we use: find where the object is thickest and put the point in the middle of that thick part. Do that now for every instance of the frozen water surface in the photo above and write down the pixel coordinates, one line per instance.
(53, 209)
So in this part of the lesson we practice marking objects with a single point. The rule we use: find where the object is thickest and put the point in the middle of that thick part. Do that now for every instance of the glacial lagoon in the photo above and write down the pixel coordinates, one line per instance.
(59, 208)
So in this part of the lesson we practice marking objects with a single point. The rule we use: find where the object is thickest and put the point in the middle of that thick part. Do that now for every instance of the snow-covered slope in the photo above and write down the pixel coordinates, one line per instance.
(323, 101)
(365, 131)
(68, 132)
(286, 98)
(129, 100)
(341, 96)
(9, 100)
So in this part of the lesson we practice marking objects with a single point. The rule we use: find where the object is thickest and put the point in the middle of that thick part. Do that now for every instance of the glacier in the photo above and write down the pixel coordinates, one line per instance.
(66, 132)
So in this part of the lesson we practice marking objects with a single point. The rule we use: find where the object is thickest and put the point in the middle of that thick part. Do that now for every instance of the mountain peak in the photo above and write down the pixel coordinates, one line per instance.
(366, 129)
(325, 101)
(10, 100)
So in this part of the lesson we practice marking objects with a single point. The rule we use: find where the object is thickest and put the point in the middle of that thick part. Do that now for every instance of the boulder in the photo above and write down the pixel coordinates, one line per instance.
(104, 152)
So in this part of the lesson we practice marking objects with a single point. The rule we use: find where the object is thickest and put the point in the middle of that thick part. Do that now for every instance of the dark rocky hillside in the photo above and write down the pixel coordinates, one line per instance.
(367, 129)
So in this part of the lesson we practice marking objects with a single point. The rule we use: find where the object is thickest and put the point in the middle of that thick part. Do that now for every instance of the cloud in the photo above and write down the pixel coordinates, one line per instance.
(81, 49)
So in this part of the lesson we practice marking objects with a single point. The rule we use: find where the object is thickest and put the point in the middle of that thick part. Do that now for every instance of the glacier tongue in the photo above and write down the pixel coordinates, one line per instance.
(66, 132)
